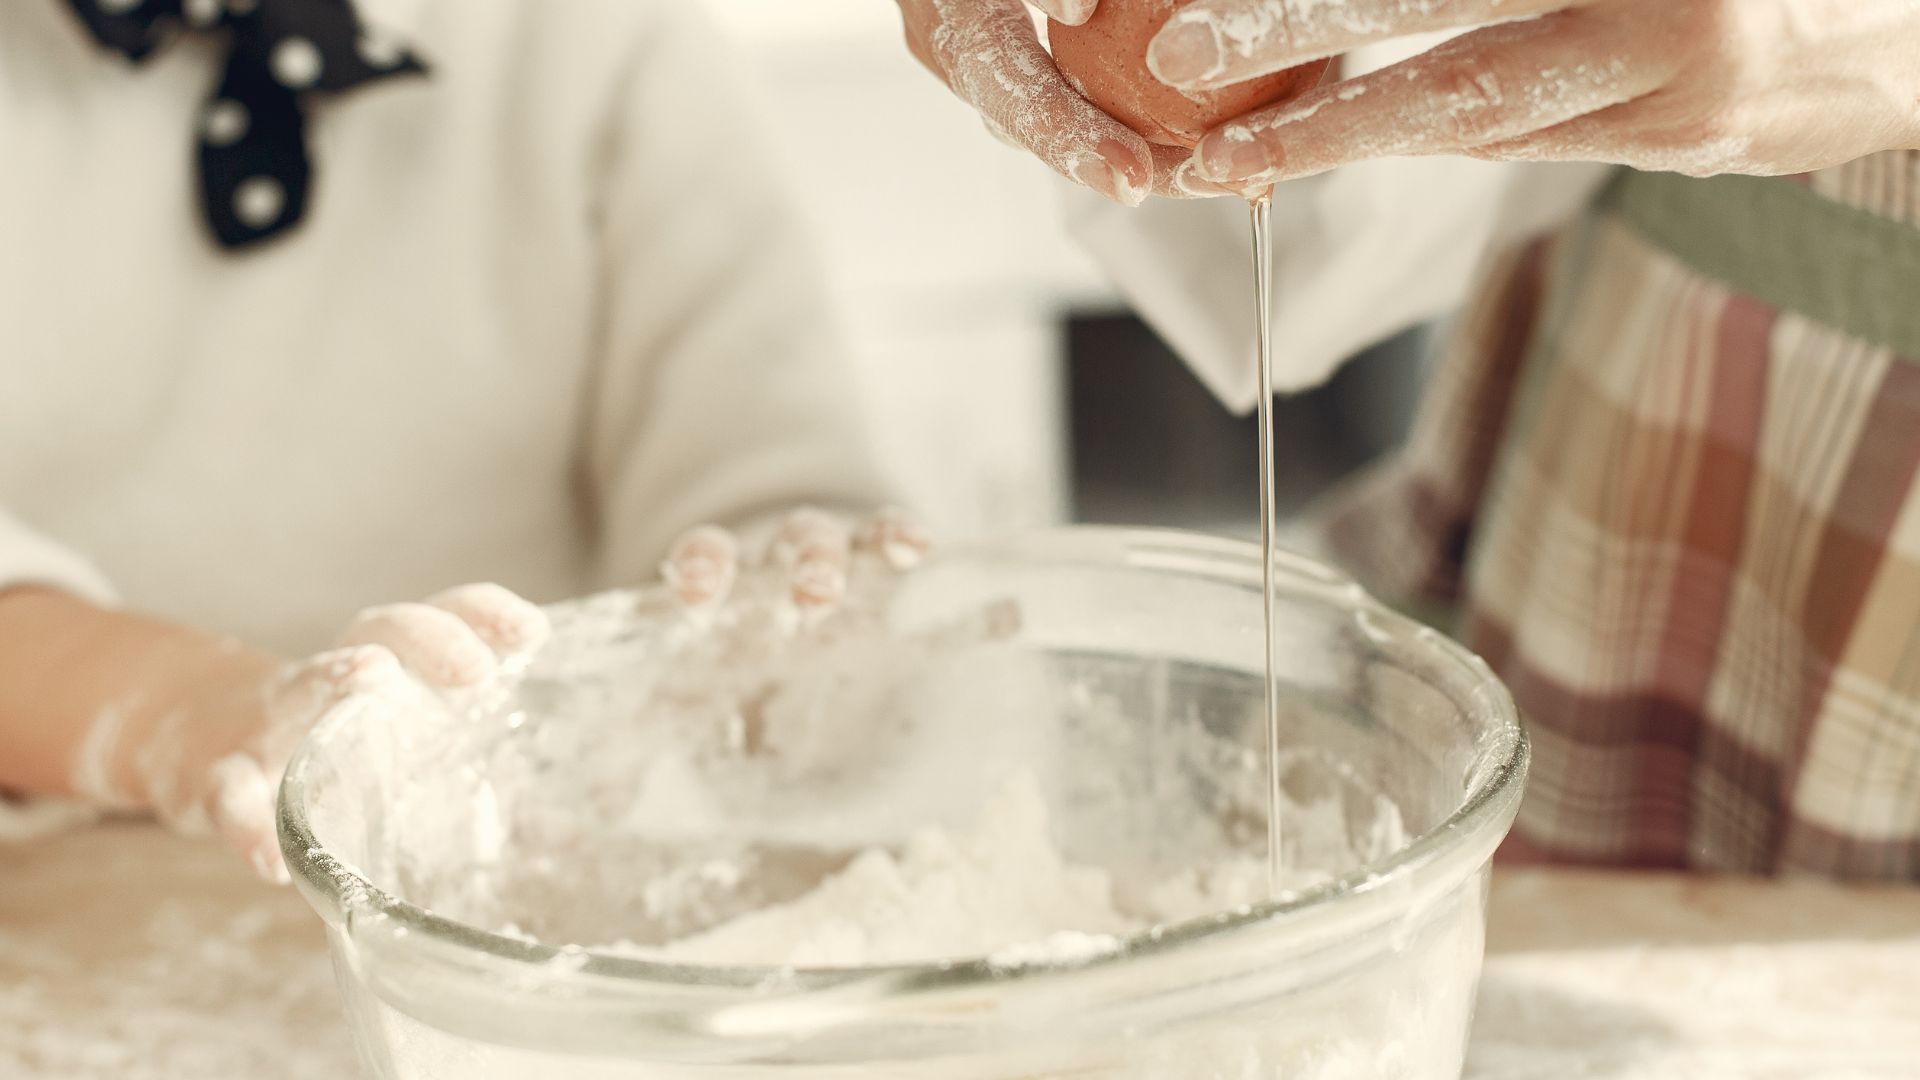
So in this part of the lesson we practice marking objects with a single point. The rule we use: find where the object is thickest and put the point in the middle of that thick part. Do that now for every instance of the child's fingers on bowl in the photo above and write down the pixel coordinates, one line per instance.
(240, 804)
(433, 643)
(702, 566)
(813, 547)
(896, 536)
(511, 626)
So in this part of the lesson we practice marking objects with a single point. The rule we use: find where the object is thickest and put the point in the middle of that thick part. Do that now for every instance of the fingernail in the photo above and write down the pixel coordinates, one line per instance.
(1071, 12)
(1236, 157)
(1133, 178)
(1188, 179)
(698, 582)
(508, 623)
(897, 537)
(1099, 172)
(1186, 51)
(1093, 171)
(905, 547)
(366, 667)
(702, 565)
(819, 583)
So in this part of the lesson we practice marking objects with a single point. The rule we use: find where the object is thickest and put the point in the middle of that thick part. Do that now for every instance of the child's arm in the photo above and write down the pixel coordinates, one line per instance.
(132, 713)
(72, 674)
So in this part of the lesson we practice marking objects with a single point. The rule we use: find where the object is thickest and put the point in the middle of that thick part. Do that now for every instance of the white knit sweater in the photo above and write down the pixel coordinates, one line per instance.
(547, 309)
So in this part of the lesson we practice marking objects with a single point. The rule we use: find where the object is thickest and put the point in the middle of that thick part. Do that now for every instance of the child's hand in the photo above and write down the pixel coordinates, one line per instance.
(798, 655)
(212, 758)
(757, 624)
(812, 550)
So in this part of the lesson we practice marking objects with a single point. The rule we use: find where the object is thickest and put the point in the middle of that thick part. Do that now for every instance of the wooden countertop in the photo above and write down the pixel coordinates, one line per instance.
(129, 954)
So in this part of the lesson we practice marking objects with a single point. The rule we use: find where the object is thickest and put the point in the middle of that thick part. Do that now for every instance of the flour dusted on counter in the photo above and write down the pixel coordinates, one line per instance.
(30, 819)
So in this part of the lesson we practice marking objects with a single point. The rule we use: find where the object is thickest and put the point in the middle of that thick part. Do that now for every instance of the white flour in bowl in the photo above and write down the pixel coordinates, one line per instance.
(885, 798)
(1000, 888)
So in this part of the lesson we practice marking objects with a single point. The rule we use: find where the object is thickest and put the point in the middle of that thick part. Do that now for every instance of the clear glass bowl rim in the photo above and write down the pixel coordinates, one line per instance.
(342, 895)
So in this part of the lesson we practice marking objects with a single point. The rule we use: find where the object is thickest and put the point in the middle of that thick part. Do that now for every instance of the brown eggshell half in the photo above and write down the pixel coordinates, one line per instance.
(1106, 60)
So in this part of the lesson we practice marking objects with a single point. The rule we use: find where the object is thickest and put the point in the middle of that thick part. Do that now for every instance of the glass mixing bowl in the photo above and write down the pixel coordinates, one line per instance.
(1131, 664)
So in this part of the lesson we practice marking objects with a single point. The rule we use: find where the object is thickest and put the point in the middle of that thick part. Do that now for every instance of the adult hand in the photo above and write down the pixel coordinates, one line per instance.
(989, 54)
(1695, 86)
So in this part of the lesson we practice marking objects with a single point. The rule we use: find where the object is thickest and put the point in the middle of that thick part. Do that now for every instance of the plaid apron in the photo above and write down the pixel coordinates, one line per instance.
(1665, 482)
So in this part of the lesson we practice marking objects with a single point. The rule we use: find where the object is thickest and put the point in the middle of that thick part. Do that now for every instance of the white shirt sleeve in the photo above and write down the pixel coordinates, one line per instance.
(28, 558)
(1359, 255)
(725, 393)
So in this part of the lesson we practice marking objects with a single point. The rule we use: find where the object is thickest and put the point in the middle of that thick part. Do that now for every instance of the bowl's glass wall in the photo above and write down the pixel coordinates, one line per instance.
(1130, 692)
(1403, 1014)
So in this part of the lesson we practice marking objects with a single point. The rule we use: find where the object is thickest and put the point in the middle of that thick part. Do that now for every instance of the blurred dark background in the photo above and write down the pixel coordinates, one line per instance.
(1149, 445)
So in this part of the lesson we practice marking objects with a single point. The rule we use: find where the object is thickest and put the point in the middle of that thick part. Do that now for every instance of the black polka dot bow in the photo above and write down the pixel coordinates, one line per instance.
(255, 171)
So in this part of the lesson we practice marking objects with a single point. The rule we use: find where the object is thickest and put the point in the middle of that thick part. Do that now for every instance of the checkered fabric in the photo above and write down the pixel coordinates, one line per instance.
(1679, 515)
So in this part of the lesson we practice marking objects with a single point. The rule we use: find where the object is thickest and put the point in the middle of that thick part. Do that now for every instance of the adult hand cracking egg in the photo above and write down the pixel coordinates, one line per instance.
(1088, 109)
(1762, 87)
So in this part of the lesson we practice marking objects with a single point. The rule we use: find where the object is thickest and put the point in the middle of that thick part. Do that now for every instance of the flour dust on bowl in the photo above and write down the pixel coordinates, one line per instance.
(1002, 817)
